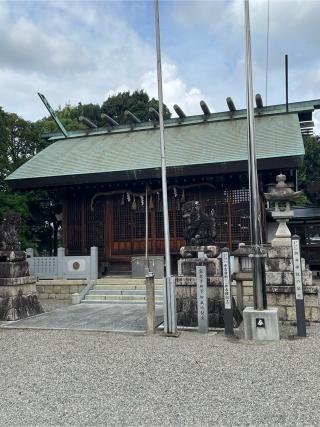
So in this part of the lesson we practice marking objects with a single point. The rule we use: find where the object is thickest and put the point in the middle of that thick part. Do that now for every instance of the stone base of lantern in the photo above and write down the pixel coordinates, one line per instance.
(283, 235)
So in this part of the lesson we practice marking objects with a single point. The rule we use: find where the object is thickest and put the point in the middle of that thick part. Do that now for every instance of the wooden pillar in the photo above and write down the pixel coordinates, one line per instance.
(229, 225)
(65, 206)
(83, 223)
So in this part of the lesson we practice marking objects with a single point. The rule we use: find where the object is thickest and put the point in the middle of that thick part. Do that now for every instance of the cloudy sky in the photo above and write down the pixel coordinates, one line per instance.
(82, 51)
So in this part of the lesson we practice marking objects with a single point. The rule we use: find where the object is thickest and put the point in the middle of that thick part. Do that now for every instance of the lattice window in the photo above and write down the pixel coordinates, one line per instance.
(129, 223)
(121, 219)
(232, 214)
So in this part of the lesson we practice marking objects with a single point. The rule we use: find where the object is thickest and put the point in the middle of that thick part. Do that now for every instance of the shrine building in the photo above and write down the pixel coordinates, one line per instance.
(103, 175)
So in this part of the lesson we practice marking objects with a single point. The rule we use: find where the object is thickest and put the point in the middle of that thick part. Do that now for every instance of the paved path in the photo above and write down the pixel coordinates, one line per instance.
(91, 317)
(70, 378)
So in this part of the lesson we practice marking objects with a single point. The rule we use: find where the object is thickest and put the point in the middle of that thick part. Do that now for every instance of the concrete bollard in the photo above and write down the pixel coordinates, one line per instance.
(150, 295)
(60, 258)
(75, 299)
(93, 263)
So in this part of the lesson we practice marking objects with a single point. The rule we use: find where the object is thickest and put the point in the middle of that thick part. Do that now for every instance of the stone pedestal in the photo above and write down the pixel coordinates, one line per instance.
(18, 292)
(261, 324)
(279, 267)
(186, 288)
(187, 266)
(19, 298)
(283, 235)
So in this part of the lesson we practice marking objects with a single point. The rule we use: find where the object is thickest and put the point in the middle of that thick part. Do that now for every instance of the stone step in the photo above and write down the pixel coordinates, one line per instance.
(113, 280)
(119, 297)
(125, 287)
(96, 291)
(158, 304)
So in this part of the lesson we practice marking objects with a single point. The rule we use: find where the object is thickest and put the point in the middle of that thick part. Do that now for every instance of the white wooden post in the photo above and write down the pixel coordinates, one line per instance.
(60, 256)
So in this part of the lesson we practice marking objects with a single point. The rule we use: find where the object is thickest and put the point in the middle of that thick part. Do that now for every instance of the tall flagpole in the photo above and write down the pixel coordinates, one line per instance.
(170, 321)
(255, 210)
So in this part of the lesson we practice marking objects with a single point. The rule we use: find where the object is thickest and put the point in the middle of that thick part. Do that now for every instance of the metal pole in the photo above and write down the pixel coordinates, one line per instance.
(147, 233)
(170, 326)
(286, 77)
(255, 213)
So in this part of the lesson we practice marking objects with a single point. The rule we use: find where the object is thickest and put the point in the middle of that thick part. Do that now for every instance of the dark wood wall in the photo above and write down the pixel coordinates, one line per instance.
(117, 225)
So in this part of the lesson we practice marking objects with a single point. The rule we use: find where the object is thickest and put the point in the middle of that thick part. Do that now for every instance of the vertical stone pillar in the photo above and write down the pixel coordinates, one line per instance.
(30, 260)
(93, 263)
(60, 257)
(239, 288)
(150, 303)
(30, 252)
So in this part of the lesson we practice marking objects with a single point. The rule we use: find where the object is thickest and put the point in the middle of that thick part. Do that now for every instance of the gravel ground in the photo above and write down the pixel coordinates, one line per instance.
(81, 378)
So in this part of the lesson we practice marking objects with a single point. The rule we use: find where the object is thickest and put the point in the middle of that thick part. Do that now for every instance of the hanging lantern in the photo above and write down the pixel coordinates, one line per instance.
(151, 205)
(142, 200)
(183, 197)
(128, 197)
(134, 204)
(175, 192)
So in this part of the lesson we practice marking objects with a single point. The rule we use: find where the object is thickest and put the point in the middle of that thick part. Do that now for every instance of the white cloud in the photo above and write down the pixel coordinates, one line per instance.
(84, 51)
(79, 53)
(175, 89)
(316, 119)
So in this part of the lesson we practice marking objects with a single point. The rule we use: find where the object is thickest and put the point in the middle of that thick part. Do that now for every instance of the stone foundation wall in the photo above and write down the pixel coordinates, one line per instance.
(59, 289)
(186, 297)
(283, 297)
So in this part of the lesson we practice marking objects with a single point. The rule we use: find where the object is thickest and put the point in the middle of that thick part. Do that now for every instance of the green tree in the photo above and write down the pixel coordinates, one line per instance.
(69, 117)
(19, 141)
(309, 174)
(138, 102)
(91, 111)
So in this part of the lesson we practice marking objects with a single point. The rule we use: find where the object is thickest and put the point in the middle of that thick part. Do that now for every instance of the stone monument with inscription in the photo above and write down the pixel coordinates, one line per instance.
(18, 294)
(200, 251)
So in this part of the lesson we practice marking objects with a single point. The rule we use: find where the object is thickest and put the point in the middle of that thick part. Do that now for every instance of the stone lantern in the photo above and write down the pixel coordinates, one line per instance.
(281, 194)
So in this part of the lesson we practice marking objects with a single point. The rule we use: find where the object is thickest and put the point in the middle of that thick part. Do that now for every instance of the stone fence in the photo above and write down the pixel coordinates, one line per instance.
(64, 267)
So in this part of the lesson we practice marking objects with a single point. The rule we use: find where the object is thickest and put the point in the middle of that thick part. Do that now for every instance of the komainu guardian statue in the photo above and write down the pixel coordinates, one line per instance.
(18, 291)
(9, 240)
(200, 230)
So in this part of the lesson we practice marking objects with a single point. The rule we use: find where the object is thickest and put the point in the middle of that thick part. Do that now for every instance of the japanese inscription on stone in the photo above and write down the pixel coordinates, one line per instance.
(297, 268)
(226, 279)
(201, 272)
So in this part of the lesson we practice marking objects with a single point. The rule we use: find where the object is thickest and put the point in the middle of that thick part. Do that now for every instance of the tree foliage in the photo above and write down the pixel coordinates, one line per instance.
(137, 102)
(310, 170)
(21, 139)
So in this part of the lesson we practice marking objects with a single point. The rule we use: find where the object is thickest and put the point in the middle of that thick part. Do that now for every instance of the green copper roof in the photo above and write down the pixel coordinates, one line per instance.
(202, 143)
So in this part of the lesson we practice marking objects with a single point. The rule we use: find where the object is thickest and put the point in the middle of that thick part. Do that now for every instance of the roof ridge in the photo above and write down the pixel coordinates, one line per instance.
(294, 107)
